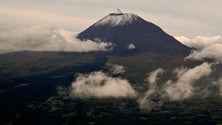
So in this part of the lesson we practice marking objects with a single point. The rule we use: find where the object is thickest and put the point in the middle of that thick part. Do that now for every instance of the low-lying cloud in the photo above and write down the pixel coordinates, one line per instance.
(213, 51)
(183, 87)
(152, 78)
(183, 83)
(180, 88)
(199, 42)
(207, 47)
(46, 38)
(117, 69)
(131, 46)
(100, 85)
(145, 101)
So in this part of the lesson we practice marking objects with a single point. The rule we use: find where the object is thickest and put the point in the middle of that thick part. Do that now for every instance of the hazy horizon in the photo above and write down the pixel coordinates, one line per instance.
(176, 17)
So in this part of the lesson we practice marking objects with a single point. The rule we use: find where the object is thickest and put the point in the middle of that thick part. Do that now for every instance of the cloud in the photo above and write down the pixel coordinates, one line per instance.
(46, 38)
(184, 84)
(207, 47)
(183, 87)
(213, 51)
(146, 101)
(200, 42)
(118, 69)
(154, 75)
(131, 46)
(100, 85)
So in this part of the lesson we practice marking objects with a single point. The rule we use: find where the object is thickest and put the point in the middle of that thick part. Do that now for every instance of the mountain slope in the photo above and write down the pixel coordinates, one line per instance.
(31, 63)
(125, 29)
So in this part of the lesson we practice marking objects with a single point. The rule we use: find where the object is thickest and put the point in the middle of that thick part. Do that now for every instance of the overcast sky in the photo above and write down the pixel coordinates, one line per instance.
(177, 17)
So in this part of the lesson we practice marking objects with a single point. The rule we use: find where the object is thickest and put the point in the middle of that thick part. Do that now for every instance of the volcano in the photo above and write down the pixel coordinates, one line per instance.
(129, 32)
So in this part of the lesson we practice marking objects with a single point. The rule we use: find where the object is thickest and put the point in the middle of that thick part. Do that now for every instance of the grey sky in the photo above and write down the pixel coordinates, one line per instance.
(177, 17)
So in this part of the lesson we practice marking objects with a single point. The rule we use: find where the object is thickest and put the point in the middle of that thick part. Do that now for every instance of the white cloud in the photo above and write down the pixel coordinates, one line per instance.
(100, 85)
(131, 46)
(184, 85)
(154, 75)
(199, 42)
(46, 38)
(145, 101)
(118, 69)
(207, 47)
(213, 51)
(183, 88)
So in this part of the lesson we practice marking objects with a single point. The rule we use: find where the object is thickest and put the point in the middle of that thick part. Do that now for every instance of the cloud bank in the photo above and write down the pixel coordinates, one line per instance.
(177, 89)
(199, 42)
(213, 51)
(207, 47)
(101, 85)
(183, 87)
(183, 83)
(46, 38)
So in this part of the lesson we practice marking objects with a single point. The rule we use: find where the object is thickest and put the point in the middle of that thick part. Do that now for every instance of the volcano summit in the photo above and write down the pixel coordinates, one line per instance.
(129, 32)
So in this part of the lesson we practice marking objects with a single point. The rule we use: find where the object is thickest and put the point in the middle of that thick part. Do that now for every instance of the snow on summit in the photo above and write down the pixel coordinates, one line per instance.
(117, 18)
